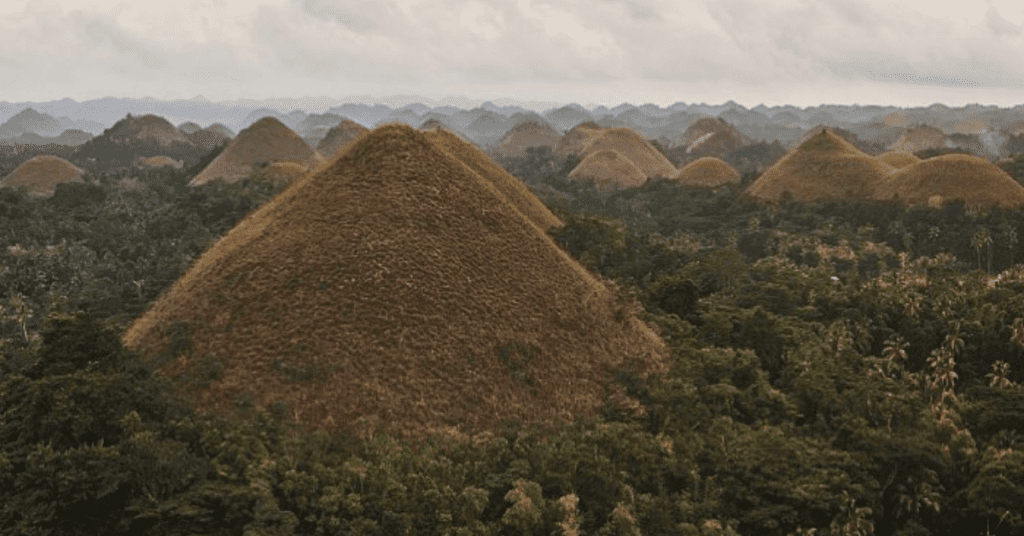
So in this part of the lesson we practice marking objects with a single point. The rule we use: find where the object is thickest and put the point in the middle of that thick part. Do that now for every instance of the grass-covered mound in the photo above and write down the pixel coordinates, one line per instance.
(399, 287)
(972, 179)
(41, 175)
(265, 141)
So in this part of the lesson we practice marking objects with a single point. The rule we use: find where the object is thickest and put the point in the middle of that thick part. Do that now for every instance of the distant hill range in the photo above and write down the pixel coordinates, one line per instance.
(685, 131)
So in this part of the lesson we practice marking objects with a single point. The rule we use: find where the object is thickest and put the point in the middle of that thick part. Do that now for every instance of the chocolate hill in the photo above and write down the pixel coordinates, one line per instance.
(530, 133)
(511, 187)
(609, 168)
(41, 175)
(711, 136)
(208, 138)
(953, 176)
(920, 138)
(898, 159)
(264, 142)
(188, 127)
(636, 148)
(707, 171)
(396, 286)
(147, 127)
(221, 129)
(824, 165)
(575, 141)
(160, 161)
(339, 137)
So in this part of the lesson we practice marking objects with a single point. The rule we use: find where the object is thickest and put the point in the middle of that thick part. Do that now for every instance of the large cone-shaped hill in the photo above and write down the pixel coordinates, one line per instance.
(707, 171)
(634, 147)
(576, 140)
(396, 286)
(147, 127)
(512, 188)
(527, 134)
(339, 137)
(41, 175)
(824, 165)
(898, 159)
(609, 168)
(953, 176)
(265, 141)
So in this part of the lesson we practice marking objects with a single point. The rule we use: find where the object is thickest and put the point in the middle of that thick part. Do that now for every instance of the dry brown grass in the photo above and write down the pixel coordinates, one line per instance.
(711, 136)
(511, 187)
(609, 168)
(898, 159)
(920, 138)
(160, 161)
(577, 138)
(148, 127)
(634, 147)
(41, 175)
(527, 134)
(288, 171)
(824, 165)
(267, 140)
(339, 137)
(420, 296)
(975, 180)
(707, 171)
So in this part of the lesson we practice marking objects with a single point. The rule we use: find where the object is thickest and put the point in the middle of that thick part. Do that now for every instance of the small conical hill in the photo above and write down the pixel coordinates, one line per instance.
(147, 127)
(527, 134)
(898, 159)
(160, 161)
(707, 171)
(396, 286)
(339, 137)
(974, 180)
(634, 147)
(609, 168)
(920, 138)
(824, 165)
(711, 136)
(576, 140)
(188, 127)
(41, 175)
(265, 141)
(513, 189)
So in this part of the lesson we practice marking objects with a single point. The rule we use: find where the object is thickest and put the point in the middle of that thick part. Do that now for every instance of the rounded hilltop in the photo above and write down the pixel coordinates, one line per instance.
(264, 142)
(40, 175)
(972, 179)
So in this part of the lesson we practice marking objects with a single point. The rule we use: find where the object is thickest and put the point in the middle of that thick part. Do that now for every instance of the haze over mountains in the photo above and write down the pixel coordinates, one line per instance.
(984, 130)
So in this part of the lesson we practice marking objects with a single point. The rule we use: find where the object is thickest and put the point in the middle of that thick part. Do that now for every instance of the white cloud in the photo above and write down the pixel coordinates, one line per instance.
(597, 50)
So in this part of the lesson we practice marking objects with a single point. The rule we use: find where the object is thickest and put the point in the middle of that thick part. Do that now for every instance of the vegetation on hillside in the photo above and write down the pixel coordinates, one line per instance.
(837, 368)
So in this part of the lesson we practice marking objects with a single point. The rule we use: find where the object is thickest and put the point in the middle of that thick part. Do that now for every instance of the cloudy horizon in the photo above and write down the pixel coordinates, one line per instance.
(603, 52)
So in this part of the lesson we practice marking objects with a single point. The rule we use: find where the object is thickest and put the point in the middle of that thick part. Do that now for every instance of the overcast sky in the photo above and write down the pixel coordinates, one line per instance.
(802, 52)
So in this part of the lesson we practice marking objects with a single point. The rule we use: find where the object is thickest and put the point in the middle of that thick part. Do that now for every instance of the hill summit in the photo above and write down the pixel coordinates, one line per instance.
(824, 165)
(264, 142)
(147, 127)
(396, 286)
(339, 137)
(707, 171)
(41, 175)
(630, 144)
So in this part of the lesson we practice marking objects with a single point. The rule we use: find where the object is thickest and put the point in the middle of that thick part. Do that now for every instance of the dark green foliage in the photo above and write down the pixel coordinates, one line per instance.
(71, 195)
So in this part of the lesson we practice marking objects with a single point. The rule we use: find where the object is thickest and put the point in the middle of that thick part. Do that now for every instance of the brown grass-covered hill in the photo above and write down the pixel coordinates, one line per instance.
(41, 175)
(265, 141)
(208, 138)
(511, 187)
(575, 141)
(707, 171)
(147, 127)
(636, 148)
(919, 138)
(975, 180)
(222, 129)
(339, 137)
(824, 165)
(530, 133)
(434, 124)
(396, 286)
(160, 161)
(711, 136)
(898, 159)
(609, 168)
(188, 127)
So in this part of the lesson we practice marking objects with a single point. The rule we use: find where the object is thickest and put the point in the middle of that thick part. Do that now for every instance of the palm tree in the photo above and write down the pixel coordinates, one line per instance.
(982, 238)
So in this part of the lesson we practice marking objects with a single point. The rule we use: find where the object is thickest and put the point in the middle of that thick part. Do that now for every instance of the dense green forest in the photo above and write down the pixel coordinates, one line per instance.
(840, 368)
